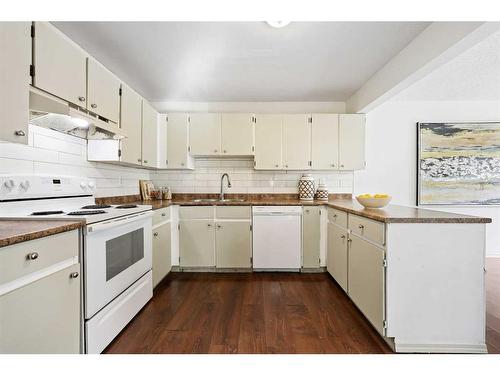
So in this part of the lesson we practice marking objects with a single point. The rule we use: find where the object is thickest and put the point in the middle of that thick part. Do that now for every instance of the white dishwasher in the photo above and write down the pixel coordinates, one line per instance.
(277, 238)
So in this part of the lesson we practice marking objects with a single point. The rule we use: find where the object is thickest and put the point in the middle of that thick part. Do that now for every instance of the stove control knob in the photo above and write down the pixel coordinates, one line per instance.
(91, 184)
(25, 185)
(9, 184)
(83, 184)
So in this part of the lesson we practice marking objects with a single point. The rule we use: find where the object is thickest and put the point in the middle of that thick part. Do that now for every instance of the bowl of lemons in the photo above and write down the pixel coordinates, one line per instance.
(374, 200)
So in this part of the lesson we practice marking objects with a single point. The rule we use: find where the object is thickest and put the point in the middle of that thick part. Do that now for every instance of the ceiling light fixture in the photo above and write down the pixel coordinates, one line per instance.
(278, 24)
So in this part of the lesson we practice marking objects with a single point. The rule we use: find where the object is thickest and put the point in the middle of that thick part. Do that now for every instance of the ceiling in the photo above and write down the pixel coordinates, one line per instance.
(472, 75)
(243, 61)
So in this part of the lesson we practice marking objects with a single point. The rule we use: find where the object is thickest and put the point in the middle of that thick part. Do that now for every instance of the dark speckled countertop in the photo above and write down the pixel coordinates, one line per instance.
(343, 202)
(14, 231)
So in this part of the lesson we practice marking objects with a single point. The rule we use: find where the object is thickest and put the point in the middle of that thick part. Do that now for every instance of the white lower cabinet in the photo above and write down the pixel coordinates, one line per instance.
(311, 237)
(162, 262)
(366, 280)
(40, 310)
(336, 257)
(234, 244)
(197, 243)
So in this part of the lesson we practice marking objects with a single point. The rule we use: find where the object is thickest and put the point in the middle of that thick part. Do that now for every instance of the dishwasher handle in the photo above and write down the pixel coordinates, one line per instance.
(277, 214)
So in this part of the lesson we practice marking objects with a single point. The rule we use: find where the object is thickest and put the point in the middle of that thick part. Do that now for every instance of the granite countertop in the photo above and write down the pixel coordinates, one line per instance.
(15, 231)
(343, 202)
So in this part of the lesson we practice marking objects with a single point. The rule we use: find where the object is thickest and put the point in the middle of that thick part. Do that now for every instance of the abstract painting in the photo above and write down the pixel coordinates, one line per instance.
(458, 163)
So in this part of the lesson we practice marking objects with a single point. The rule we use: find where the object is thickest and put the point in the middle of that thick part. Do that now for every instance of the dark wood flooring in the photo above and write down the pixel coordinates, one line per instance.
(249, 313)
(265, 313)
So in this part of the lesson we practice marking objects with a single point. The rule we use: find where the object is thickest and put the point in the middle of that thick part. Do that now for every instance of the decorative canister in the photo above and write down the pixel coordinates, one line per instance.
(322, 192)
(306, 187)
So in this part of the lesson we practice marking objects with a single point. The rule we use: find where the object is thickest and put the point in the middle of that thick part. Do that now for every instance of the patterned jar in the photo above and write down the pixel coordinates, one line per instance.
(322, 192)
(306, 188)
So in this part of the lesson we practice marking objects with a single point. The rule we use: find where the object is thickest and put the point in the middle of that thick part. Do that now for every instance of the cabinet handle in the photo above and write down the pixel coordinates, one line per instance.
(20, 133)
(335, 215)
(163, 214)
(93, 105)
(342, 236)
(341, 165)
(307, 211)
(349, 240)
(32, 256)
(277, 165)
(155, 234)
(219, 226)
(215, 150)
(333, 165)
(145, 162)
(225, 151)
(209, 225)
(81, 98)
(74, 275)
(286, 165)
(361, 226)
(139, 160)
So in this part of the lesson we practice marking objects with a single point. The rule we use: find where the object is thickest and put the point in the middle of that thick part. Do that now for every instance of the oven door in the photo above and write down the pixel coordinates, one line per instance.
(117, 253)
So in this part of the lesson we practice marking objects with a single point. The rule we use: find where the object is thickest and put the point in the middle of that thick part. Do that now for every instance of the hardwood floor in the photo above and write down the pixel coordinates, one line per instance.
(493, 305)
(249, 313)
(265, 313)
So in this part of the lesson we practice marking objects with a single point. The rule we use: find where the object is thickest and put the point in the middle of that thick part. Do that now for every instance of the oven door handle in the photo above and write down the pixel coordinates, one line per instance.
(117, 222)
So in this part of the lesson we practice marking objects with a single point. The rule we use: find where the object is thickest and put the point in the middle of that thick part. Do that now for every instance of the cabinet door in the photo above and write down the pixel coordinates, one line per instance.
(325, 141)
(351, 142)
(177, 140)
(149, 135)
(197, 243)
(15, 40)
(162, 141)
(296, 142)
(366, 280)
(237, 134)
(103, 91)
(337, 254)
(205, 133)
(130, 121)
(310, 237)
(268, 141)
(42, 317)
(162, 262)
(234, 244)
(60, 65)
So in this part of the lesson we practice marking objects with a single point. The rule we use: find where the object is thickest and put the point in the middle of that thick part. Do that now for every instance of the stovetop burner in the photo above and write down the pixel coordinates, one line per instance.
(95, 206)
(45, 213)
(86, 212)
(127, 206)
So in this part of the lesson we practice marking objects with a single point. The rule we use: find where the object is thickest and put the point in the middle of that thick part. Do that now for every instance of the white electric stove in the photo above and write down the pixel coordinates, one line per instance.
(117, 246)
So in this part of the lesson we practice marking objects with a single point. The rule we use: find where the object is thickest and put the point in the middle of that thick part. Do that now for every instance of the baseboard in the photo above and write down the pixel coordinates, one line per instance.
(441, 348)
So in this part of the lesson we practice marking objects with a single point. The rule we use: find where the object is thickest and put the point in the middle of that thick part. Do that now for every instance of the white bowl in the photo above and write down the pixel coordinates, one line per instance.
(374, 202)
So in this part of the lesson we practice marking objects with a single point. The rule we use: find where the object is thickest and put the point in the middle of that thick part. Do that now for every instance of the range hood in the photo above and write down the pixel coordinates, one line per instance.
(48, 111)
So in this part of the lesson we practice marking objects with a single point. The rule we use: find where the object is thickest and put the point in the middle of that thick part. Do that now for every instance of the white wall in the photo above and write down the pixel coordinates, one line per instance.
(244, 179)
(391, 152)
(252, 107)
(51, 152)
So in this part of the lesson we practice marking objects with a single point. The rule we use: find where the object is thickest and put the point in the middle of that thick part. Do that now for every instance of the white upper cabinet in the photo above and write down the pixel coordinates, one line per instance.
(296, 142)
(237, 134)
(130, 121)
(60, 65)
(103, 91)
(149, 135)
(205, 134)
(351, 142)
(178, 156)
(268, 145)
(162, 141)
(14, 80)
(325, 141)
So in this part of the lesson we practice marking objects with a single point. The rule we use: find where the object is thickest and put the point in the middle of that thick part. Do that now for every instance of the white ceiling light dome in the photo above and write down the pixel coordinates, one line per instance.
(278, 24)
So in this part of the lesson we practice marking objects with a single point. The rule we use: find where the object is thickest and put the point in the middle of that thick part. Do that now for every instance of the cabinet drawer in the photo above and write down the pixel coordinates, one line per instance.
(239, 212)
(367, 228)
(15, 260)
(163, 214)
(199, 212)
(338, 217)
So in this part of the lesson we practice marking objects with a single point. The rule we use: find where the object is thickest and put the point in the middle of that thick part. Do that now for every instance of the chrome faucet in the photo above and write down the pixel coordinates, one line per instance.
(222, 187)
